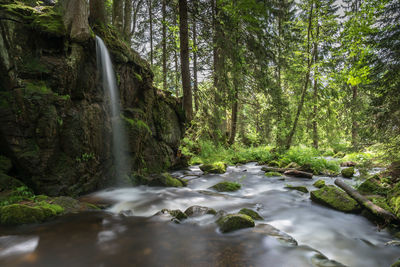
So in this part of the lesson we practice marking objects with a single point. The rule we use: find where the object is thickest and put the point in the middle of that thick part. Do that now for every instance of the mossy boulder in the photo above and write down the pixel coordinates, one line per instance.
(226, 186)
(196, 211)
(253, 214)
(232, 222)
(319, 184)
(335, 198)
(17, 214)
(372, 186)
(298, 188)
(174, 215)
(348, 172)
(217, 167)
(165, 179)
(273, 174)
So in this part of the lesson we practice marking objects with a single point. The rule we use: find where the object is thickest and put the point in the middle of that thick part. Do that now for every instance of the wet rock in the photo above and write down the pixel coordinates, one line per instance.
(253, 214)
(372, 186)
(348, 172)
(269, 230)
(196, 211)
(174, 215)
(273, 174)
(165, 179)
(232, 222)
(321, 260)
(298, 188)
(348, 164)
(319, 184)
(395, 243)
(217, 167)
(335, 198)
(71, 205)
(226, 186)
(17, 214)
(299, 174)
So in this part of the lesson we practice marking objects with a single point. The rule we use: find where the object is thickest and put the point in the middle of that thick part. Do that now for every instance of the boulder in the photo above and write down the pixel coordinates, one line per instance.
(226, 186)
(174, 215)
(232, 222)
(319, 184)
(217, 167)
(196, 211)
(16, 214)
(299, 174)
(165, 179)
(335, 198)
(348, 164)
(298, 188)
(372, 186)
(348, 172)
(269, 230)
(253, 214)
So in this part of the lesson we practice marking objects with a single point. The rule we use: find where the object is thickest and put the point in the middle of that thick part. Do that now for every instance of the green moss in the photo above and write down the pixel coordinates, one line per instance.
(335, 198)
(234, 222)
(298, 188)
(339, 155)
(319, 184)
(381, 202)
(254, 215)
(163, 179)
(226, 186)
(272, 174)
(372, 187)
(216, 167)
(33, 64)
(176, 213)
(9, 183)
(348, 172)
(139, 77)
(37, 87)
(16, 214)
(171, 181)
(51, 209)
(137, 124)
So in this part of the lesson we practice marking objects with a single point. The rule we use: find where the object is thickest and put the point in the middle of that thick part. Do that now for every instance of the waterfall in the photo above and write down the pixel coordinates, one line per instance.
(111, 96)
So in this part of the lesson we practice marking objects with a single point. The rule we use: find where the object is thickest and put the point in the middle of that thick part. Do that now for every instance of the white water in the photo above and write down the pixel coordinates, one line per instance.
(111, 95)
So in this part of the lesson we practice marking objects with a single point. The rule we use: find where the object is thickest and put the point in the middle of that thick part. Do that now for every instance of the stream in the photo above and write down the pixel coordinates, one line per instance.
(137, 238)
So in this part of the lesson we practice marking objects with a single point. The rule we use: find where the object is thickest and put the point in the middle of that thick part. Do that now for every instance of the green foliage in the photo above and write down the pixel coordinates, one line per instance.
(18, 194)
(137, 124)
(37, 87)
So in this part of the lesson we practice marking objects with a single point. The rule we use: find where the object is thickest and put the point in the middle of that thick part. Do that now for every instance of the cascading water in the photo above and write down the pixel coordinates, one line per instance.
(111, 94)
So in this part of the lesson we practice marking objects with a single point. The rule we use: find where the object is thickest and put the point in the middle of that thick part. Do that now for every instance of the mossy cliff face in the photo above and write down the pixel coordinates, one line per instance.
(54, 122)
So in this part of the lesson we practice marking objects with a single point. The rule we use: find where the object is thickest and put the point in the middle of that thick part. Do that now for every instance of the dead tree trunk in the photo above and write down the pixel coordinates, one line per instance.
(376, 210)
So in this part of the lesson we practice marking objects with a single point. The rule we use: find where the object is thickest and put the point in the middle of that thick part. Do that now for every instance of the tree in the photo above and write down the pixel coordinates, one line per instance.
(117, 14)
(184, 44)
(97, 12)
(75, 19)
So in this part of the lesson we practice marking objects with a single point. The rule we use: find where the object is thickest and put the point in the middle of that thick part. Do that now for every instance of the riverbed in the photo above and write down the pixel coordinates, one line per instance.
(127, 233)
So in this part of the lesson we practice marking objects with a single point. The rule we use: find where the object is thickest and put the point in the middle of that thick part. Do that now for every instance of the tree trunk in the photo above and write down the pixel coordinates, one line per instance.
(376, 210)
(354, 124)
(164, 45)
(315, 96)
(195, 85)
(97, 12)
(151, 31)
(135, 12)
(307, 78)
(184, 41)
(76, 19)
(234, 115)
(117, 14)
(128, 19)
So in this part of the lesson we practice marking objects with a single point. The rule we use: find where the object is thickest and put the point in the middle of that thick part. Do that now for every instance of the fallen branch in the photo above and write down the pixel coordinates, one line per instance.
(376, 210)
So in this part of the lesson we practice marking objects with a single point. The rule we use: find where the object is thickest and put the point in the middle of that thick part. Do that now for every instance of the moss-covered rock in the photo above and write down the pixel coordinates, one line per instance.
(216, 167)
(232, 222)
(165, 179)
(298, 188)
(319, 184)
(273, 174)
(335, 198)
(196, 211)
(174, 215)
(226, 186)
(348, 172)
(372, 186)
(254, 215)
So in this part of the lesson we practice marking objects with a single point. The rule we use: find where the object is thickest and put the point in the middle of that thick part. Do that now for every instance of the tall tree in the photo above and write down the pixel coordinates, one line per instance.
(184, 45)
(150, 9)
(164, 44)
(128, 19)
(117, 14)
(97, 14)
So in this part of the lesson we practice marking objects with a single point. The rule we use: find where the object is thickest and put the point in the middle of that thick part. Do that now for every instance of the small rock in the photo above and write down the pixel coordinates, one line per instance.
(298, 188)
(234, 222)
(348, 172)
(319, 184)
(226, 186)
(196, 211)
(254, 215)
(299, 174)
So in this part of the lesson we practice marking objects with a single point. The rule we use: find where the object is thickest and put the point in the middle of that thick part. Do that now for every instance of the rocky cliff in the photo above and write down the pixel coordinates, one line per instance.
(54, 122)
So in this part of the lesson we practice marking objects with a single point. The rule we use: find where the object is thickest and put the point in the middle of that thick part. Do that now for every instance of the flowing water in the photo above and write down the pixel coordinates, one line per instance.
(106, 238)
(111, 94)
